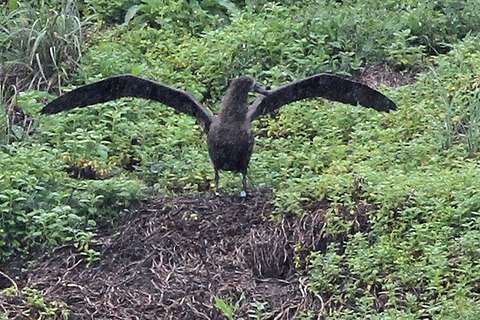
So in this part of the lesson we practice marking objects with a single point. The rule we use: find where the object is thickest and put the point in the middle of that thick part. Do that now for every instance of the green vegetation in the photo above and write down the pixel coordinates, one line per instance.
(40, 45)
(35, 305)
(418, 165)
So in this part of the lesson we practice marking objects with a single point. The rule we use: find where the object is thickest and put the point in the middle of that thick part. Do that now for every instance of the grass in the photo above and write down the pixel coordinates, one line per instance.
(417, 165)
(39, 48)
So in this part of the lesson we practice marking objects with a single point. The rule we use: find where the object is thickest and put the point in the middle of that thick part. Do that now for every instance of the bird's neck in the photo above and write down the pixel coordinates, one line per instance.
(234, 107)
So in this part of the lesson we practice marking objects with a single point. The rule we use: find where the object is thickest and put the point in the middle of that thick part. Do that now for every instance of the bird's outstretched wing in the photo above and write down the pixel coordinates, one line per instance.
(131, 86)
(321, 85)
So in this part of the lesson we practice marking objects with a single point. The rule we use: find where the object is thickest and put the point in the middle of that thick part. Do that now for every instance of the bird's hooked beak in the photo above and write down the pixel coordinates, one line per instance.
(259, 89)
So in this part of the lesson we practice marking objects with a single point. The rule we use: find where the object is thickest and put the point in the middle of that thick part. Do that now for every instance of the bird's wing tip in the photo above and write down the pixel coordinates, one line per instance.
(392, 106)
(46, 110)
(49, 109)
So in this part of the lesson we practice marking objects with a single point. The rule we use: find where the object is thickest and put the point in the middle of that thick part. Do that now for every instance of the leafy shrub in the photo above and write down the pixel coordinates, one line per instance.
(112, 11)
(177, 15)
(42, 207)
(428, 206)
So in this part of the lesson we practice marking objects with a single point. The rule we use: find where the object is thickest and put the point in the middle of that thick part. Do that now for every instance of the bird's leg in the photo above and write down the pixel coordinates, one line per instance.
(217, 178)
(243, 193)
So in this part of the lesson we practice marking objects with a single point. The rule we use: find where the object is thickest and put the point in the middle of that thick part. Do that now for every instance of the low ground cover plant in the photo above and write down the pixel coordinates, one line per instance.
(417, 167)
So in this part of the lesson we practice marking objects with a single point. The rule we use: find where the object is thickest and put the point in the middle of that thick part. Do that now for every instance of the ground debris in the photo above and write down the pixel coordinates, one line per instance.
(376, 75)
(170, 258)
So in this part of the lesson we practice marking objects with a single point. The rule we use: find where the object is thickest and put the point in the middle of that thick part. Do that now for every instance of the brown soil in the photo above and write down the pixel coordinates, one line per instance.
(375, 75)
(171, 257)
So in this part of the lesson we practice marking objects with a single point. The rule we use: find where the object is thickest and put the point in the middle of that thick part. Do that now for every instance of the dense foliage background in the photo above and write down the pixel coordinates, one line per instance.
(418, 165)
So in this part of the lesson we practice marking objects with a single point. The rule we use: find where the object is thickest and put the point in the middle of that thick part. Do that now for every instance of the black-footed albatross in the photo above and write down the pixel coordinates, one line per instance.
(229, 134)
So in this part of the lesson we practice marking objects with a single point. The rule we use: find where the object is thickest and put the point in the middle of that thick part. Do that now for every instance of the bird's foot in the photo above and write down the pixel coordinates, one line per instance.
(243, 194)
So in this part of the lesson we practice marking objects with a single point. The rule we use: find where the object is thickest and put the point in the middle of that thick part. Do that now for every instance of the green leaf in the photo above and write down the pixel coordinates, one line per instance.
(131, 12)
(12, 4)
(229, 5)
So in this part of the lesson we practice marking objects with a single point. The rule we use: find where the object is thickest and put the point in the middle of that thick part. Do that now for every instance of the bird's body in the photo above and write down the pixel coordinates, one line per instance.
(230, 154)
(230, 138)
(229, 134)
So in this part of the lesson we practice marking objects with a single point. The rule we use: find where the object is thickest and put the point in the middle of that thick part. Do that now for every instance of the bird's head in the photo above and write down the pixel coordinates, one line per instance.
(247, 84)
(235, 102)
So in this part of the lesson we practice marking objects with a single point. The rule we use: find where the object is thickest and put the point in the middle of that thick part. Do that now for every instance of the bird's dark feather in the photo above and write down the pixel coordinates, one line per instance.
(320, 86)
(131, 86)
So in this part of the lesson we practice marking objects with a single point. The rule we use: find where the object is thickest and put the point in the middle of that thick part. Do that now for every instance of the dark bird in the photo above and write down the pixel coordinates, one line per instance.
(229, 134)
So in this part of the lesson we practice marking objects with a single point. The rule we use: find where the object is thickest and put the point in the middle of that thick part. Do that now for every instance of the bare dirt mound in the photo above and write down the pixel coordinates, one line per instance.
(170, 258)
(375, 75)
